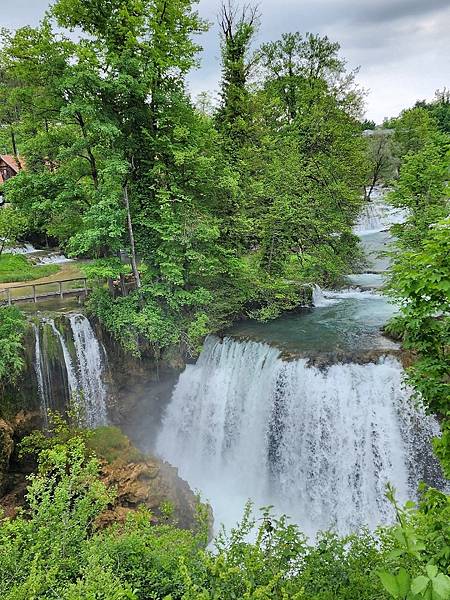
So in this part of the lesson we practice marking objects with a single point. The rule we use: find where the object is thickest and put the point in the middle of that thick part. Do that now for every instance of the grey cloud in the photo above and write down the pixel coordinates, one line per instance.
(381, 12)
(402, 46)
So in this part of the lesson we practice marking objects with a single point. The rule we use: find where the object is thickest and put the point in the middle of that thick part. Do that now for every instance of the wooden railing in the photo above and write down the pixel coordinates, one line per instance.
(10, 295)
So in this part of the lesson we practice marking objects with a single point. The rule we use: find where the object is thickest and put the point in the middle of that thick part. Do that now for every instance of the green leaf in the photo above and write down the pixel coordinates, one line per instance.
(419, 584)
(441, 586)
(403, 582)
(432, 571)
(390, 583)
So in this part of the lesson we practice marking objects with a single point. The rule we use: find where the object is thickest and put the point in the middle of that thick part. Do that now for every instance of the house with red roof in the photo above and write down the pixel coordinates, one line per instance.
(9, 166)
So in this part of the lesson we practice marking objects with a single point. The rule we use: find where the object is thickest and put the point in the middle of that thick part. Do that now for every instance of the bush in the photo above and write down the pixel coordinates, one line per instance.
(54, 550)
(12, 330)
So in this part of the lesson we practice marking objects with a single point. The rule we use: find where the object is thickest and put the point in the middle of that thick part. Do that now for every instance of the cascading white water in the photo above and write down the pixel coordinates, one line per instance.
(318, 445)
(38, 366)
(90, 370)
(377, 215)
(71, 374)
(54, 259)
(84, 372)
(319, 299)
(24, 249)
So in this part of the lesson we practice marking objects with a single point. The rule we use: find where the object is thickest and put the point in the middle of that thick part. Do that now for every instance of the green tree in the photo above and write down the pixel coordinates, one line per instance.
(309, 193)
(382, 161)
(12, 330)
(13, 225)
(233, 119)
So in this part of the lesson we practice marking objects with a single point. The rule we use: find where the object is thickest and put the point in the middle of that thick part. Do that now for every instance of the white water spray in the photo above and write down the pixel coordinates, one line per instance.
(90, 370)
(318, 445)
(378, 216)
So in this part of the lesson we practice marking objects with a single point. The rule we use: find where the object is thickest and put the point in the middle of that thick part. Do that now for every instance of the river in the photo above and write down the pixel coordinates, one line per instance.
(258, 418)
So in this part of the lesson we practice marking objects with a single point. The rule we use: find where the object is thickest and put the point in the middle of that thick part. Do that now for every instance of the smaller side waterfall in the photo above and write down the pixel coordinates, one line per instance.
(38, 366)
(90, 370)
(71, 375)
(319, 299)
(70, 366)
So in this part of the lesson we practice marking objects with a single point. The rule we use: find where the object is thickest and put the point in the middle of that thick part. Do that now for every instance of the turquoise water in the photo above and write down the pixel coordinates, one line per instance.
(348, 320)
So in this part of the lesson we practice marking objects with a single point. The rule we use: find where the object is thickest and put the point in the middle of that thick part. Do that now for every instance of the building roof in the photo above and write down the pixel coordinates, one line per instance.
(12, 163)
(10, 160)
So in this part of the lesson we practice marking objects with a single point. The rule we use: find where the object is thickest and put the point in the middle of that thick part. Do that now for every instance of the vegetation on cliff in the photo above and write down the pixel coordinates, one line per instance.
(12, 330)
(420, 274)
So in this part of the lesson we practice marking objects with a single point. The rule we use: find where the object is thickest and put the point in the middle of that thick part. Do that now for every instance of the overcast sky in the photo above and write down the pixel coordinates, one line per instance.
(401, 46)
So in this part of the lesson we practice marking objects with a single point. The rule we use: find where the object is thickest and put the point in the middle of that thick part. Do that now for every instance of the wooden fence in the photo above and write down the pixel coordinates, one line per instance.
(43, 291)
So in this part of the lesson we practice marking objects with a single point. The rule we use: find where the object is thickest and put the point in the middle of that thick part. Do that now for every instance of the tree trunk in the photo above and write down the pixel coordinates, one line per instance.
(131, 236)
(14, 147)
(90, 155)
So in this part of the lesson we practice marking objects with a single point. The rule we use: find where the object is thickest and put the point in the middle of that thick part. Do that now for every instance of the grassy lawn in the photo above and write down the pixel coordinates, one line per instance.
(16, 267)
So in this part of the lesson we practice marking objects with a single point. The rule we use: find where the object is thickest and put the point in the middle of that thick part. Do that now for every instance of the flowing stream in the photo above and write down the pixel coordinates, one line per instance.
(256, 418)
(70, 366)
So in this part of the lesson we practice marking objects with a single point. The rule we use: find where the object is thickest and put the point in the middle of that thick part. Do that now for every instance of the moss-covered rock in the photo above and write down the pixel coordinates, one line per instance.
(141, 480)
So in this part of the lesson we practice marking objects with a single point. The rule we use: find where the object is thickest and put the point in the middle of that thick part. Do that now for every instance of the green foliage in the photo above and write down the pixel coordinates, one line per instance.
(420, 273)
(382, 160)
(17, 267)
(412, 130)
(412, 548)
(439, 109)
(12, 329)
(54, 550)
(12, 225)
(224, 215)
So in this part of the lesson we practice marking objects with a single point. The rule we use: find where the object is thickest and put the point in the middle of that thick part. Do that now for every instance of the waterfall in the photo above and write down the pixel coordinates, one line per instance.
(377, 215)
(71, 375)
(64, 376)
(90, 370)
(39, 368)
(318, 297)
(318, 445)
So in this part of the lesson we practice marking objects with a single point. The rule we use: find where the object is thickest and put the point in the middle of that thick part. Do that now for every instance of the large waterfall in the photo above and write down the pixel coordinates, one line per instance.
(70, 366)
(319, 445)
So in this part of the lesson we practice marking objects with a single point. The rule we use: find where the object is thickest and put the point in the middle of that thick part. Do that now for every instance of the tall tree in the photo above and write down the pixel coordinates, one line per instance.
(237, 27)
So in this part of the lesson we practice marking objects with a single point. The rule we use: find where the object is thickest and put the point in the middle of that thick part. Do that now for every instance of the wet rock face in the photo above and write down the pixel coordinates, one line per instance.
(14, 469)
(150, 483)
(141, 480)
(6, 449)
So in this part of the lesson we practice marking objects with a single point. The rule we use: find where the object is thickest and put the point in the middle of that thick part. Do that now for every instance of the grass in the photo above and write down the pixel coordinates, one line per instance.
(111, 444)
(17, 267)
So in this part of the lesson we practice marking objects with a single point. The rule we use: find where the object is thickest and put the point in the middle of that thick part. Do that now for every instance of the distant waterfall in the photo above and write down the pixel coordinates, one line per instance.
(64, 376)
(319, 445)
(377, 215)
